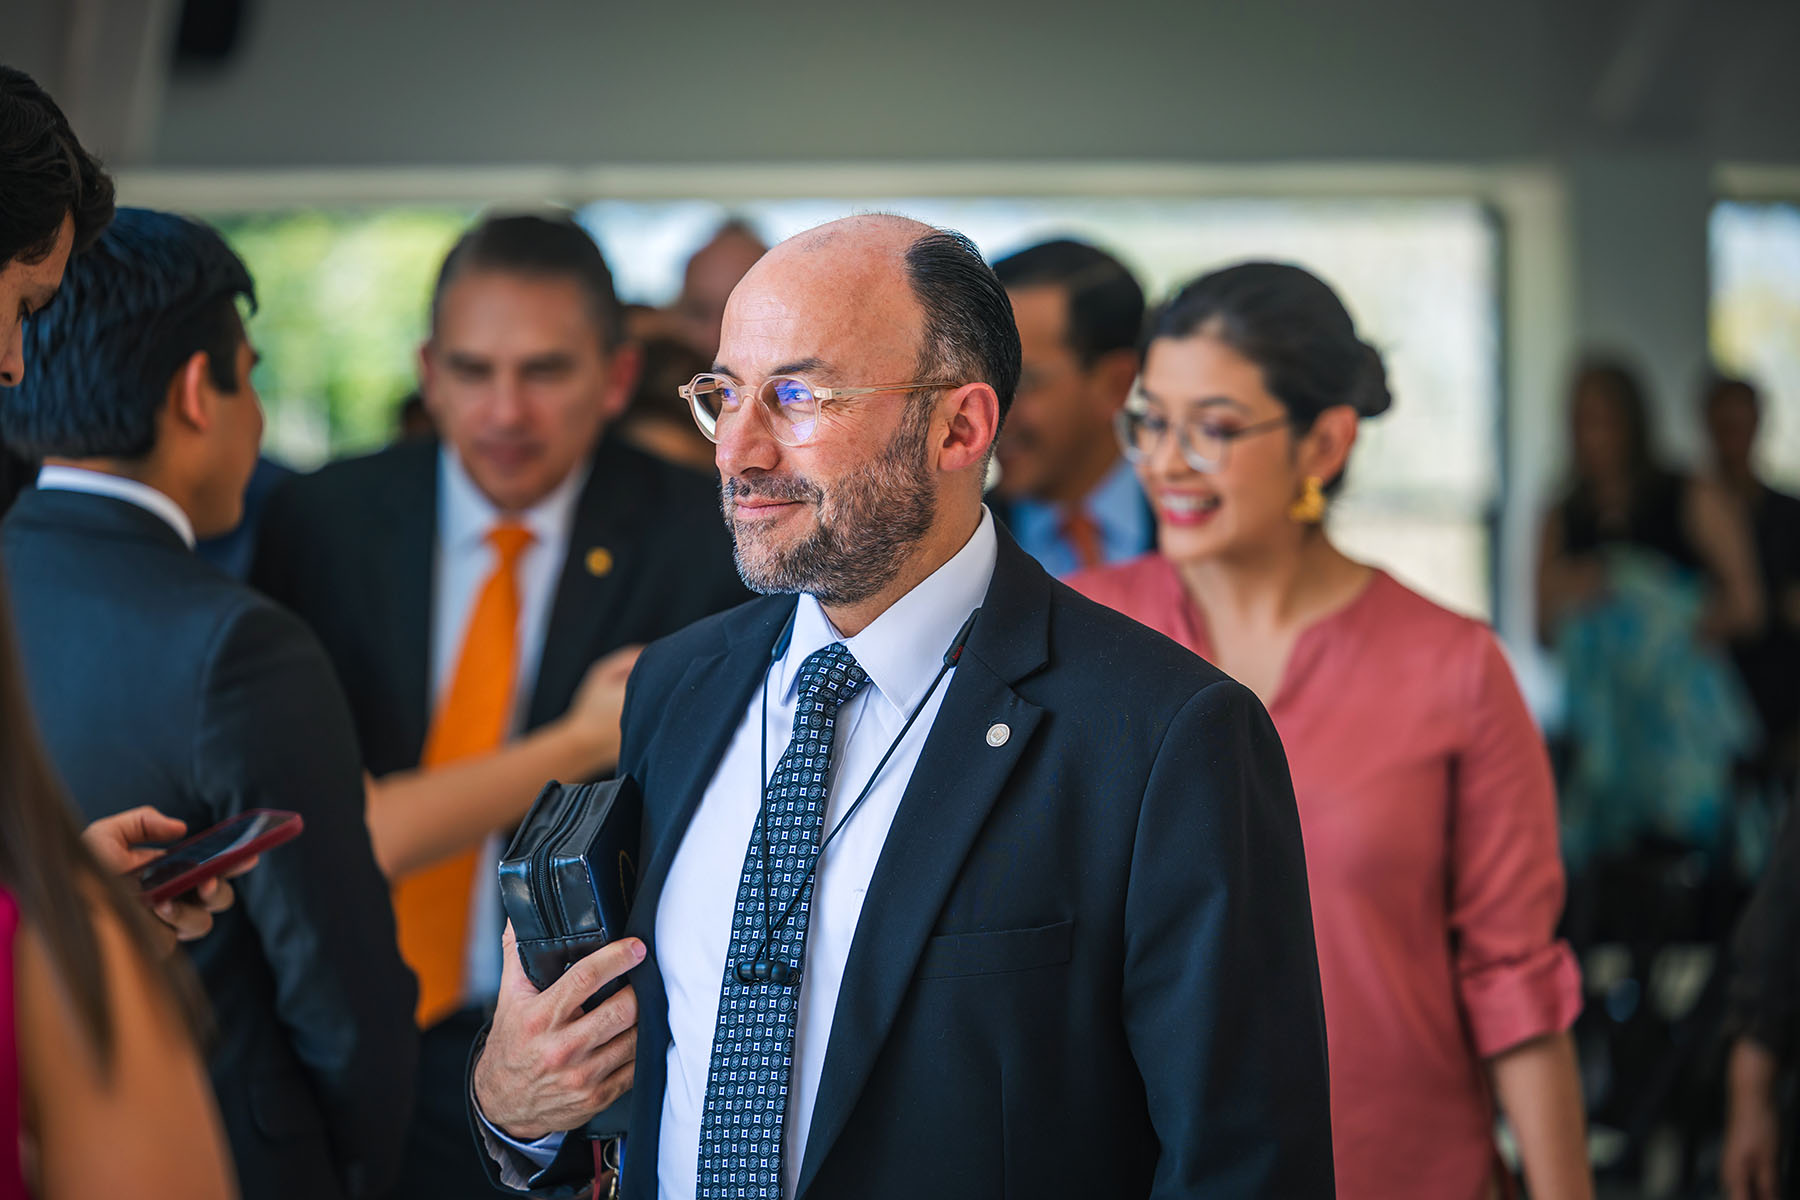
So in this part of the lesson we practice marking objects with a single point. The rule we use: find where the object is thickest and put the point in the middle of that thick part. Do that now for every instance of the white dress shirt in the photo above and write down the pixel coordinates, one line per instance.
(901, 651)
(99, 483)
(464, 562)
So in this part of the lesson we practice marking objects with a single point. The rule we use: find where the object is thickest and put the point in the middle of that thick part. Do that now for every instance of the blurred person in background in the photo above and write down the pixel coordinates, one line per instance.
(657, 420)
(105, 1094)
(464, 588)
(1762, 1026)
(1769, 661)
(412, 420)
(1064, 490)
(1425, 793)
(706, 284)
(159, 680)
(1643, 576)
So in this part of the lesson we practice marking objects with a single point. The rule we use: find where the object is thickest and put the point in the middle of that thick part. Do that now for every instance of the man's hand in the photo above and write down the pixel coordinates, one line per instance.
(547, 1065)
(118, 842)
(1747, 1165)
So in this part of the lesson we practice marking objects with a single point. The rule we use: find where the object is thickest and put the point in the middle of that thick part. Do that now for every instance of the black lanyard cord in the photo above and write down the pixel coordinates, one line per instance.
(757, 968)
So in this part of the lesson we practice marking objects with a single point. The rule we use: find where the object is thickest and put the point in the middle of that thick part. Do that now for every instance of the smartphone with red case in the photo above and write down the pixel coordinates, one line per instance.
(214, 852)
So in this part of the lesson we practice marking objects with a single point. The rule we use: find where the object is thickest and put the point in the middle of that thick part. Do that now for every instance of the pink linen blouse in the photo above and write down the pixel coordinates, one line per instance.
(1428, 814)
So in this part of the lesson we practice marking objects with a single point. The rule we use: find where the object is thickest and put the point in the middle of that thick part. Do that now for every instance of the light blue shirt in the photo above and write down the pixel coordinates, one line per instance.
(1117, 506)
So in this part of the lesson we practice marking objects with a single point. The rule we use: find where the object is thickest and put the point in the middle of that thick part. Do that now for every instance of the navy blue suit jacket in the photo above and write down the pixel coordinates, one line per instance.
(1085, 965)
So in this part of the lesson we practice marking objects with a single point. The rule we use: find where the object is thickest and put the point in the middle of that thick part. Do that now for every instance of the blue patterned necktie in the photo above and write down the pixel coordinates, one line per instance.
(753, 1046)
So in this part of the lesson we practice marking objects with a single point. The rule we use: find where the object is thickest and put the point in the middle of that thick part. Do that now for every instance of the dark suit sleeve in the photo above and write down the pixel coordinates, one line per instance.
(1221, 987)
(273, 558)
(275, 733)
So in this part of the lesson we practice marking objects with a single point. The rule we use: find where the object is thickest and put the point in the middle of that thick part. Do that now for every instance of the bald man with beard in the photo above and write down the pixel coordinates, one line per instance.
(954, 883)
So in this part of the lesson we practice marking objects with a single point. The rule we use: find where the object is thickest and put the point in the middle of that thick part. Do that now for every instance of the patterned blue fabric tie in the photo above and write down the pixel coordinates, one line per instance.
(753, 1047)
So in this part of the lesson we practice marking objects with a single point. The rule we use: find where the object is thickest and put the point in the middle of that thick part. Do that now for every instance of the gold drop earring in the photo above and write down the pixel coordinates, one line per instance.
(1309, 509)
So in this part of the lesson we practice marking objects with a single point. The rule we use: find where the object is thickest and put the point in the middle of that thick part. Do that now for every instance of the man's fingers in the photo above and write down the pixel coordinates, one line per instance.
(189, 921)
(512, 972)
(613, 1016)
(215, 895)
(587, 975)
(145, 824)
(243, 868)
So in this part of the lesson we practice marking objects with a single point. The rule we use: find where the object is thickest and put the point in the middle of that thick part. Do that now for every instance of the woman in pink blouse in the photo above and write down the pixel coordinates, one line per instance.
(1425, 794)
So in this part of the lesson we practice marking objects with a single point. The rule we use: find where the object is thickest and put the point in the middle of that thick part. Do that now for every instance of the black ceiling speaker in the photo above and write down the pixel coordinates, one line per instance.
(210, 31)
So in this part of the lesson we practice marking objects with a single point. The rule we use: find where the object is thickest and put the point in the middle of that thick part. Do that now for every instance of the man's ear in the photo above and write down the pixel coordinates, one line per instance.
(1112, 374)
(973, 413)
(191, 397)
(427, 371)
(624, 363)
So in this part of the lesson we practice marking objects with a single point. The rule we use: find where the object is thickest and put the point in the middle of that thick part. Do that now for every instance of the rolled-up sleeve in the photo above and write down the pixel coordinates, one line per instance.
(1515, 980)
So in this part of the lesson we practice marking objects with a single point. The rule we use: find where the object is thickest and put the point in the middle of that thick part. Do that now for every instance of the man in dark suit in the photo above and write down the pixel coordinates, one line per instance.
(158, 680)
(402, 563)
(955, 883)
(1065, 491)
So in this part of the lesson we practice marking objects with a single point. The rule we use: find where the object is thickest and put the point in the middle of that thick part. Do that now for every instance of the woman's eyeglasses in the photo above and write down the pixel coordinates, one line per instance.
(1204, 443)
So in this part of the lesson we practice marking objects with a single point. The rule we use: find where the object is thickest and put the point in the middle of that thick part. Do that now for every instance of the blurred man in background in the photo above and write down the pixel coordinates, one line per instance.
(1769, 660)
(711, 273)
(463, 587)
(1068, 495)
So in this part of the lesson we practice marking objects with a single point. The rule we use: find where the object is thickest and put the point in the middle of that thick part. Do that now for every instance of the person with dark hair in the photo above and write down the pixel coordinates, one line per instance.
(1768, 661)
(657, 420)
(1763, 1010)
(463, 589)
(1424, 789)
(1645, 576)
(159, 680)
(45, 175)
(936, 894)
(712, 271)
(55, 199)
(1065, 491)
(105, 1095)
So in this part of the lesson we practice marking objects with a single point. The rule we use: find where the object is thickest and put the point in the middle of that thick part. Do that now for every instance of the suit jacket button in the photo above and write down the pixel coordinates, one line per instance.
(998, 733)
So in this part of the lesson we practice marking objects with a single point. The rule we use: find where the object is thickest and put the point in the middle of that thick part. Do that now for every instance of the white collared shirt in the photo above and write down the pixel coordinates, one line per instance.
(901, 651)
(464, 562)
(99, 483)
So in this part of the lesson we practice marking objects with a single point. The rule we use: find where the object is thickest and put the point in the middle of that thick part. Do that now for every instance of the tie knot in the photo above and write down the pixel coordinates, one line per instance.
(509, 540)
(831, 676)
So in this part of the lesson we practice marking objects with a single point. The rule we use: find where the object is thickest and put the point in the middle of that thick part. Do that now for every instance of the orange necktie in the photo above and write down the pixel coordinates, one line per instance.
(431, 905)
(1082, 533)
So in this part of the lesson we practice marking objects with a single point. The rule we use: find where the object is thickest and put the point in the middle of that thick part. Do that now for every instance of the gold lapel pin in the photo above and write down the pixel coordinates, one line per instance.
(599, 562)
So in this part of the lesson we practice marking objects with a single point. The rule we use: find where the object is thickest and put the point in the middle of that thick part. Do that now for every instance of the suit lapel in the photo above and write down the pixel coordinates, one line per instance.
(711, 695)
(958, 778)
(596, 565)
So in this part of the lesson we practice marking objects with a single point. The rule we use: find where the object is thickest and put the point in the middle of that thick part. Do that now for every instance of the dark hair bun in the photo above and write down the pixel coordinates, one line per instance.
(1370, 396)
(1289, 323)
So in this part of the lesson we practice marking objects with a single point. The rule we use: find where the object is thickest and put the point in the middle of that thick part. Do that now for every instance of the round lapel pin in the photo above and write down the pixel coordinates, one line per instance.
(997, 734)
(599, 562)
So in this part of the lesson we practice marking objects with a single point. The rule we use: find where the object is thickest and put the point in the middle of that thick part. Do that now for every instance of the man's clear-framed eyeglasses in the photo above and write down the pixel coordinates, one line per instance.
(1203, 440)
(791, 405)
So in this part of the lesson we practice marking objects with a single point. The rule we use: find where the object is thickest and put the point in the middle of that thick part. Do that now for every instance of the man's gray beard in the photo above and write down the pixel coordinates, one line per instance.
(867, 524)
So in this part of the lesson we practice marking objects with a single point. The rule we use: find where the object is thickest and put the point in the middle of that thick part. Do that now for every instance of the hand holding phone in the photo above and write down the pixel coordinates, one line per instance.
(215, 853)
